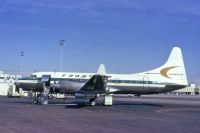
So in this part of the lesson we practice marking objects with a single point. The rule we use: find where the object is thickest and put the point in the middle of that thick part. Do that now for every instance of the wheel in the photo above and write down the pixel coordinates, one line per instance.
(92, 102)
(35, 101)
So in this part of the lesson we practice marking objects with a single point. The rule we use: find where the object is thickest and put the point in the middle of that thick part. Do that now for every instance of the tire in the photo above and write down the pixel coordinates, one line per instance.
(92, 102)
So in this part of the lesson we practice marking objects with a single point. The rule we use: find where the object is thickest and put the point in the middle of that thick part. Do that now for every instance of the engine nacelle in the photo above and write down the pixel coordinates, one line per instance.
(70, 87)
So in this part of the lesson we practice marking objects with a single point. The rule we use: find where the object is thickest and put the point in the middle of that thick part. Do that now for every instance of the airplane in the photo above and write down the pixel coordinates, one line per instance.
(170, 76)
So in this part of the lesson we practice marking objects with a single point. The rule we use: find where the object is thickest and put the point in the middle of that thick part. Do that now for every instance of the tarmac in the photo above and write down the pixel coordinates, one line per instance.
(146, 114)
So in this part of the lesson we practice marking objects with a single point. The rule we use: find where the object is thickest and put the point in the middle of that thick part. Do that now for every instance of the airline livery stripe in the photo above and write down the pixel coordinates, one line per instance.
(109, 81)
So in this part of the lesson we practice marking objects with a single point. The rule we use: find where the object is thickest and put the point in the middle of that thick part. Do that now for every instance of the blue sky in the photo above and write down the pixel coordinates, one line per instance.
(128, 36)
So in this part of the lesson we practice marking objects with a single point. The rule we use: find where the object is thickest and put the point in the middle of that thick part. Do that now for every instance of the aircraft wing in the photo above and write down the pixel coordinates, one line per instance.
(96, 85)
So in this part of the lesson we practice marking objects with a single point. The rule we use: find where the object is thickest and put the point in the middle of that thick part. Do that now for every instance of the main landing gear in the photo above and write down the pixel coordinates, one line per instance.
(92, 102)
(108, 100)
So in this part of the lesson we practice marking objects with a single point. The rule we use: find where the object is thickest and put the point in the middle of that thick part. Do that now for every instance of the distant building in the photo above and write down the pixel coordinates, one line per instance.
(192, 89)
(4, 88)
(2, 76)
(6, 81)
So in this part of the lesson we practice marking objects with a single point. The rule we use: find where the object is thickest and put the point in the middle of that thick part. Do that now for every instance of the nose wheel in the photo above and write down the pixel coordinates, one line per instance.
(36, 98)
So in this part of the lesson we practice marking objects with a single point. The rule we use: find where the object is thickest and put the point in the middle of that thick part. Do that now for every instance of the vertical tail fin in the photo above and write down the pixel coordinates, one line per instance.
(174, 68)
(175, 58)
(101, 70)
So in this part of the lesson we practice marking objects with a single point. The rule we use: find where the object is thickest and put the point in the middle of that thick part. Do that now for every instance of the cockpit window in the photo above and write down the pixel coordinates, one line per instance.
(33, 76)
(30, 76)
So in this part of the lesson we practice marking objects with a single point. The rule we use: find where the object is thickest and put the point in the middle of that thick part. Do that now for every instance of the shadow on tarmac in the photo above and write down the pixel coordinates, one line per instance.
(85, 105)
(78, 105)
(139, 104)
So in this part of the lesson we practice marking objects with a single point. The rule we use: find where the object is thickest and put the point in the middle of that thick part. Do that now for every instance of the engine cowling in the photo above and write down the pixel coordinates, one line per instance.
(69, 86)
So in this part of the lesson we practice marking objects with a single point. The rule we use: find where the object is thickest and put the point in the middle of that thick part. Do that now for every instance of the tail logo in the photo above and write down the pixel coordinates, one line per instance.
(164, 71)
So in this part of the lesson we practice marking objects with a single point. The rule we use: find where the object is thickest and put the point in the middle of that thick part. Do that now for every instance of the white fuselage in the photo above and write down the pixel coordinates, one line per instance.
(141, 83)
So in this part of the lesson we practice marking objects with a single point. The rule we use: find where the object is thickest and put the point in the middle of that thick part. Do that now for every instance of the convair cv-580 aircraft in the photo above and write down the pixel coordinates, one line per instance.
(170, 76)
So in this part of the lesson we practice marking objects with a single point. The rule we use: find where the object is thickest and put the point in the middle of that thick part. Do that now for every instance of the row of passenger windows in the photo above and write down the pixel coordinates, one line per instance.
(176, 74)
(115, 81)
(134, 82)
(109, 81)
